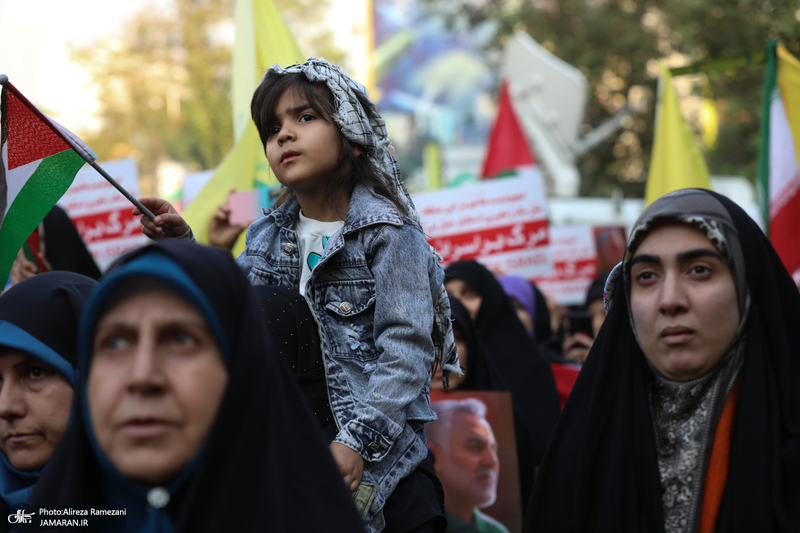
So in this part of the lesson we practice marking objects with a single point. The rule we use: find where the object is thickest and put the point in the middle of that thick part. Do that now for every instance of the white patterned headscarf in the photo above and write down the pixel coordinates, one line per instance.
(361, 126)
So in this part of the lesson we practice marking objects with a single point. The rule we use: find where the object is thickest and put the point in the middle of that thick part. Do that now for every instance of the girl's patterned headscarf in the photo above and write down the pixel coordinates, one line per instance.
(361, 126)
(366, 128)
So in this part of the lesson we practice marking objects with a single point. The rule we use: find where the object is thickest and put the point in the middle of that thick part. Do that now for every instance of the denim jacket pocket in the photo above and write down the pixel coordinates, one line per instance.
(349, 312)
(264, 277)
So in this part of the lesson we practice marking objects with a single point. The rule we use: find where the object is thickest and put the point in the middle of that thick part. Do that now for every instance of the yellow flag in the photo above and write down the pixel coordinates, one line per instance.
(262, 39)
(789, 84)
(676, 161)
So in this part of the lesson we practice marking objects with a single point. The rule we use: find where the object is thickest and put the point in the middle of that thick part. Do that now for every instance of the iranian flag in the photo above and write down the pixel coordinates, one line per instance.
(39, 163)
(779, 181)
(508, 151)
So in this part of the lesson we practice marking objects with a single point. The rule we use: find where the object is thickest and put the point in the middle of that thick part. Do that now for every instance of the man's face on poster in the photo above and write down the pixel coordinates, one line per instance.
(469, 467)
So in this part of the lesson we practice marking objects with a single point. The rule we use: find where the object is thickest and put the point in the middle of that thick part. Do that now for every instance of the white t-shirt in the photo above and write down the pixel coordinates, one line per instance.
(312, 237)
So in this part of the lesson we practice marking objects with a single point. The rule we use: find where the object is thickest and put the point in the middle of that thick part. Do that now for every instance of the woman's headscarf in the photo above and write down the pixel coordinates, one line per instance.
(295, 334)
(541, 323)
(64, 248)
(518, 362)
(479, 373)
(263, 465)
(602, 472)
(522, 291)
(39, 316)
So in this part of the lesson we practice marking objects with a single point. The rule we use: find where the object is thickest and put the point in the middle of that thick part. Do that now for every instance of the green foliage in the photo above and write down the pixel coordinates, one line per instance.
(164, 83)
(615, 44)
(163, 87)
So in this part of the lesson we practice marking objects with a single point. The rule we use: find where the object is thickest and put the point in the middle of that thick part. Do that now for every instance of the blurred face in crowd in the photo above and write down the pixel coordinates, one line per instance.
(610, 249)
(35, 404)
(683, 301)
(466, 294)
(155, 384)
(469, 467)
(597, 311)
(463, 356)
(523, 314)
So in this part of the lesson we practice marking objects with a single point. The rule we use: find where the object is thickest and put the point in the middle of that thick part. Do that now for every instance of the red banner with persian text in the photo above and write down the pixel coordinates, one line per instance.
(501, 223)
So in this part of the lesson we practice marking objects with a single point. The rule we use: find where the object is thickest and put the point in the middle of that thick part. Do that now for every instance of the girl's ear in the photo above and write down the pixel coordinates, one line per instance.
(357, 150)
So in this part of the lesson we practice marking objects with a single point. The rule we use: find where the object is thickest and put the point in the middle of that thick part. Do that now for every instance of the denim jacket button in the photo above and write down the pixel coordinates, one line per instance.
(288, 248)
(374, 447)
(345, 308)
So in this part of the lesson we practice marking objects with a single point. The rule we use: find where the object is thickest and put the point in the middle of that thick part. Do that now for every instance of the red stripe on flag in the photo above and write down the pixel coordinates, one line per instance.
(29, 139)
(783, 230)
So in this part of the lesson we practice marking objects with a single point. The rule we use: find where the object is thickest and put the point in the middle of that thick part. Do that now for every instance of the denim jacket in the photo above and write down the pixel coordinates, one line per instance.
(372, 294)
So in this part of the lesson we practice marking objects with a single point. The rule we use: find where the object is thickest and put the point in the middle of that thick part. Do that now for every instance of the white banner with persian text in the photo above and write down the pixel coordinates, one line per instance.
(574, 255)
(100, 212)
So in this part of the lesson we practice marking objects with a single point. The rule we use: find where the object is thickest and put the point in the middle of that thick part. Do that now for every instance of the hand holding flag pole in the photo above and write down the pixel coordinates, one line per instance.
(80, 148)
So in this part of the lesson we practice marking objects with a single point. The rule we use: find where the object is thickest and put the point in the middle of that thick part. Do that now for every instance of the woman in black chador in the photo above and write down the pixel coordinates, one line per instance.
(686, 414)
(518, 364)
(185, 413)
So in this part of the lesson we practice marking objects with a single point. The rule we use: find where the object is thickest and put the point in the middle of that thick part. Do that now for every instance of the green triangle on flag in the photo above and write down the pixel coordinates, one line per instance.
(38, 166)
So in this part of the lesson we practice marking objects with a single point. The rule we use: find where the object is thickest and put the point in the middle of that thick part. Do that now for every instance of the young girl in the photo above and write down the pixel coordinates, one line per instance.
(346, 235)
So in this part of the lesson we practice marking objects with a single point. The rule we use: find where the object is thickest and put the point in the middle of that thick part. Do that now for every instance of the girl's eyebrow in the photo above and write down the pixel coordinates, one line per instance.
(297, 109)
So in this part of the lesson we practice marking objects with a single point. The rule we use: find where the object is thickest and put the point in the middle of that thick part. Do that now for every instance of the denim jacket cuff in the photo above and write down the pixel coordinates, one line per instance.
(187, 237)
(369, 443)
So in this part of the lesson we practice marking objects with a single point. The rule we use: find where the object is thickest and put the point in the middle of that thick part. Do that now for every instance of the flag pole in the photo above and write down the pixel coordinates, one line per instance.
(81, 151)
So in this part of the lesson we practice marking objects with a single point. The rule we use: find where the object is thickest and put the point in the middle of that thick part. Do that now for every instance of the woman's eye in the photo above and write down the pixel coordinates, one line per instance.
(700, 269)
(113, 342)
(183, 338)
(35, 372)
(645, 276)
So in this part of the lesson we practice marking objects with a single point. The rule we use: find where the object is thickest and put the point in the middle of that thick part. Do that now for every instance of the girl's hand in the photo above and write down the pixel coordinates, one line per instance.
(350, 464)
(221, 232)
(165, 215)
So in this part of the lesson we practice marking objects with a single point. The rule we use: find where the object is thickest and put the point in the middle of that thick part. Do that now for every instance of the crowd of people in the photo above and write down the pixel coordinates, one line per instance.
(288, 389)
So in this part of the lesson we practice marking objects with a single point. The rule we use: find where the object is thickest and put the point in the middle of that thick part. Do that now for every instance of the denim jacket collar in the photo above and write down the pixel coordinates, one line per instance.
(364, 210)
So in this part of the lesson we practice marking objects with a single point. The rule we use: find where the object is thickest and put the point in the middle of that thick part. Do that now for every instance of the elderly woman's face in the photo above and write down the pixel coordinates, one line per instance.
(683, 302)
(155, 384)
(35, 403)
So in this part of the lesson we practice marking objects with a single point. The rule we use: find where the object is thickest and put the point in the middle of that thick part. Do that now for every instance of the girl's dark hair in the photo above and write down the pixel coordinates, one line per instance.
(352, 169)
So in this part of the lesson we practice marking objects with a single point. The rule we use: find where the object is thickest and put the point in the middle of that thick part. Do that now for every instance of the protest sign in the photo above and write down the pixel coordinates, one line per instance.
(574, 257)
(500, 222)
(101, 214)
(493, 487)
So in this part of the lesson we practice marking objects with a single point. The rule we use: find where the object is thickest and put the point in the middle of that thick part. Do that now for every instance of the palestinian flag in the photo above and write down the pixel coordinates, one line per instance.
(779, 181)
(39, 164)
